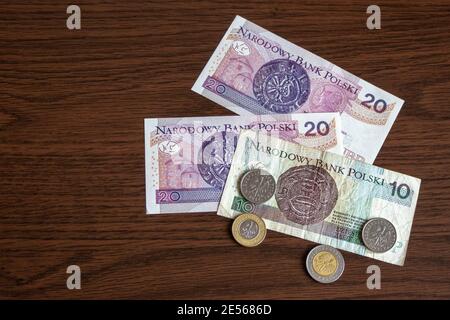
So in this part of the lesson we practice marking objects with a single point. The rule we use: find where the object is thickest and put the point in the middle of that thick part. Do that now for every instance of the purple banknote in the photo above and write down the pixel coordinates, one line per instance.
(187, 160)
(253, 71)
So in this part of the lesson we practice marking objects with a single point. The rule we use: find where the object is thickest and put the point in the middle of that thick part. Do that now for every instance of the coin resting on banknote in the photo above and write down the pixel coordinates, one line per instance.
(379, 235)
(257, 186)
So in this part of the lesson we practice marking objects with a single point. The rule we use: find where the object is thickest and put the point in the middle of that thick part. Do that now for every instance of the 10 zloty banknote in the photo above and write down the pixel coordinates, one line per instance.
(321, 196)
(187, 160)
(253, 71)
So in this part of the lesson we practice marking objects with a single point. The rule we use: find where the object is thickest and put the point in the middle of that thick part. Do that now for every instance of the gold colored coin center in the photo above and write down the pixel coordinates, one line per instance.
(324, 263)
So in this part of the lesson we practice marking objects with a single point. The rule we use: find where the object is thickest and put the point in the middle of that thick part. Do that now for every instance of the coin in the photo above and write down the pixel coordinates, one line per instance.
(249, 230)
(257, 186)
(379, 235)
(325, 264)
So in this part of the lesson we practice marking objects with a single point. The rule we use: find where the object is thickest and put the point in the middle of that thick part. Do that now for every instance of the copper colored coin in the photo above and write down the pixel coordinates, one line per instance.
(379, 235)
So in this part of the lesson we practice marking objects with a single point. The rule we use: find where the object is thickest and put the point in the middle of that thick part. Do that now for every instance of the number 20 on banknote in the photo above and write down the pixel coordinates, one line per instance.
(188, 159)
(253, 71)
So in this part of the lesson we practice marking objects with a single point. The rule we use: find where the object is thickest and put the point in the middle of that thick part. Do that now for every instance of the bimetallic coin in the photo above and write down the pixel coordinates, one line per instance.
(325, 264)
(257, 186)
(379, 235)
(249, 230)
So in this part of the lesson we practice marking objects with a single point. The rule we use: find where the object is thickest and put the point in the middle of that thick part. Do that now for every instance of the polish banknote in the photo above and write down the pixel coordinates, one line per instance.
(253, 71)
(187, 160)
(321, 196)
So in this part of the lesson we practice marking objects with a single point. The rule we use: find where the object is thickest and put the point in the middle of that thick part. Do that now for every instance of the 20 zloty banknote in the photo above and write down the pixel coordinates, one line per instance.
(187, 160)
(321, 196)
(253, 71)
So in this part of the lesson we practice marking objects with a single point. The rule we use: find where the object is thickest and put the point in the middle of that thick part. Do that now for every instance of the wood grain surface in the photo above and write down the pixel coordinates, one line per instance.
(72, 185)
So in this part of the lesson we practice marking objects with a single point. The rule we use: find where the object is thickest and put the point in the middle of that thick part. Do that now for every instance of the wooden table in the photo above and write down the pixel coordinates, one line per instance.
(72, 105)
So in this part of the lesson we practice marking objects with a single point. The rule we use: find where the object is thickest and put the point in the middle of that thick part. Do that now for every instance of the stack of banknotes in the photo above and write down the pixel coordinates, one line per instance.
(311, 128)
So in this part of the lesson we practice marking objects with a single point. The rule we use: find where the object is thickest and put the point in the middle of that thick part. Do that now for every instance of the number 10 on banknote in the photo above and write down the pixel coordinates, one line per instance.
(253, 71)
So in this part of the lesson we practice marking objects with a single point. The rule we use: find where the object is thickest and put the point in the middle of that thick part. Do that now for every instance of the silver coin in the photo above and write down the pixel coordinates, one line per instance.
(325, 264)
(257, 186)
(248, 229)
(379, 235)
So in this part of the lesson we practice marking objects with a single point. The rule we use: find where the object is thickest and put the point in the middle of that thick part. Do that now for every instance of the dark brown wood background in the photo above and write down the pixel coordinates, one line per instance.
(72, 106)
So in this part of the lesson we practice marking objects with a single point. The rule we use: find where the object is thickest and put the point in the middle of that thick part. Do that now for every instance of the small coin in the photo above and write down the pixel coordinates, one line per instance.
(257, 186)
(325, 264)
(249, 230)
(379, 235)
